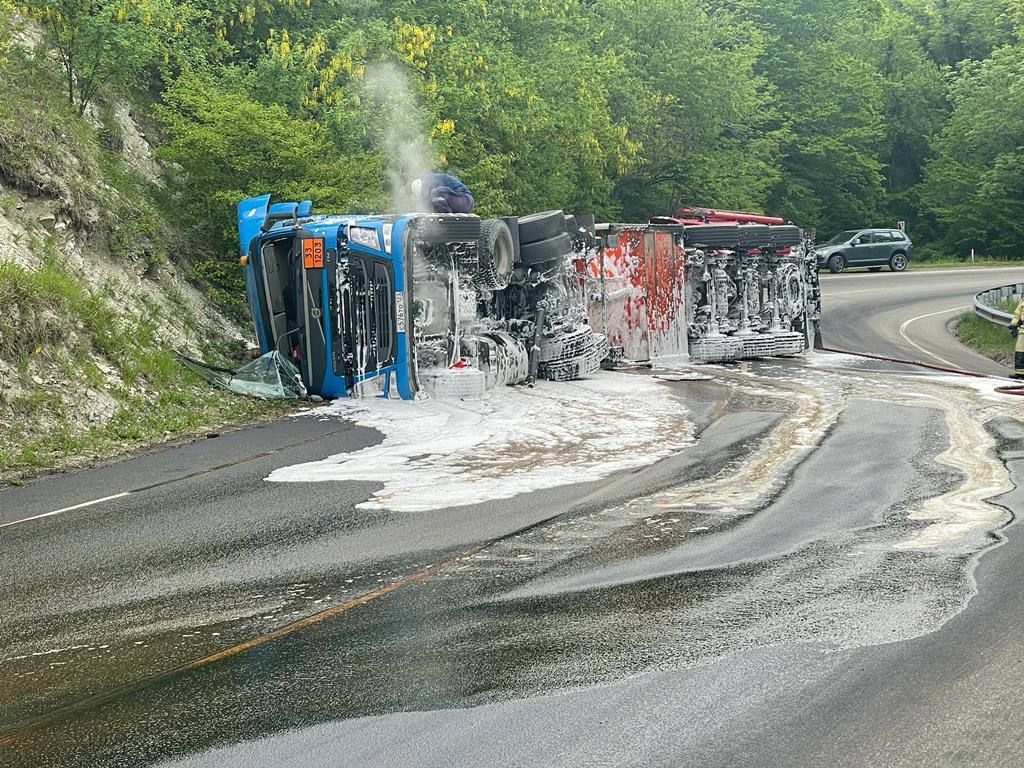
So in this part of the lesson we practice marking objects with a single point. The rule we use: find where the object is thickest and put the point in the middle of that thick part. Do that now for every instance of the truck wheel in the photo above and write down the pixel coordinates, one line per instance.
(494, 255)
(545, 250)
(836, 264)
(565, 345)
(586, 359)
(454, 383)
(541, 226)
(898, 262)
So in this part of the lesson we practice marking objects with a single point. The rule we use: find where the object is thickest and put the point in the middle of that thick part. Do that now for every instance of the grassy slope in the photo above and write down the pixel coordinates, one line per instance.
(59, 335)
(989, 339)
(959, 263)
(83, 373)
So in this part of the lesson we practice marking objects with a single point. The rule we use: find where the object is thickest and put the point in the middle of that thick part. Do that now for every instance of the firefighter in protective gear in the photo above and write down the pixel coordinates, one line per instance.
(1018, 354)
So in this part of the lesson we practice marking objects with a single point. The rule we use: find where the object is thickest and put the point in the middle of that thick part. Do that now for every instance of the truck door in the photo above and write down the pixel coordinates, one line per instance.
(311, 338)
(367, 317)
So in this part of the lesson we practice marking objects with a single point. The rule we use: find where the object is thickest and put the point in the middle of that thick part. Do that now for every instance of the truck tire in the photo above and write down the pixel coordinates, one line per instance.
(454, 383)
(540, 226)
(707, 236)
(585, 361)
(543, 251)
(495, 254)
(447, 228)
(565, 345)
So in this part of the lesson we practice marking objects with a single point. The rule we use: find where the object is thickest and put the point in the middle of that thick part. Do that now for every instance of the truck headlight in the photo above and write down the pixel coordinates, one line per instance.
(366, 236)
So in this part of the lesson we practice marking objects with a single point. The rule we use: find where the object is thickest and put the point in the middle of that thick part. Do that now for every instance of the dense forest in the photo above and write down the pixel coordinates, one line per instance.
(852, 112)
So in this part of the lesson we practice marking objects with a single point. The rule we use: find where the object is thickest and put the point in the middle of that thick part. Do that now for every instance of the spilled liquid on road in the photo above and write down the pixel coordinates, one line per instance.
(826, 507)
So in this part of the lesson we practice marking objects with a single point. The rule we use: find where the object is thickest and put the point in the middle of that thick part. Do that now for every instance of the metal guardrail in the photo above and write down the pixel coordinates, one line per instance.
(984, 303)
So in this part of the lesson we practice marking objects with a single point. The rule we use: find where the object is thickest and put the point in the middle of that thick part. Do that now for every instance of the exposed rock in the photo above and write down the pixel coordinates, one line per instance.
(136, 149)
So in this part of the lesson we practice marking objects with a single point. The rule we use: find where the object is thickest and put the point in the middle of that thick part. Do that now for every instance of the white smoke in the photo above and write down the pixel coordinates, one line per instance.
(409, 155)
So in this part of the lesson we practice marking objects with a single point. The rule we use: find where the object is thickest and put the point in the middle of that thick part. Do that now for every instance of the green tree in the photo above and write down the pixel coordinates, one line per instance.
(108, 43)
(975, 184)
(830, 103)
(226, 146)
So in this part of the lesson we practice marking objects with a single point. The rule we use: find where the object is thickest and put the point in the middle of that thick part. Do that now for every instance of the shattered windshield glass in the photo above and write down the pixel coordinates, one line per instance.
(268, 377)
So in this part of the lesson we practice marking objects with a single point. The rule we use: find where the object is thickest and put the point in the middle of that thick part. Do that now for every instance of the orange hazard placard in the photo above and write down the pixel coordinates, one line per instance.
(313, 253)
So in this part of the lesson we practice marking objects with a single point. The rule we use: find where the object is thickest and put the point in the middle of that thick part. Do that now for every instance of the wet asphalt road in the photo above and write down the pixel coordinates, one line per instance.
(584, 625)
(906, 314)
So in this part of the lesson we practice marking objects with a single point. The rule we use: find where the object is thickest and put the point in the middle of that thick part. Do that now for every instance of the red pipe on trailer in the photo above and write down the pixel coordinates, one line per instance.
(723, 216)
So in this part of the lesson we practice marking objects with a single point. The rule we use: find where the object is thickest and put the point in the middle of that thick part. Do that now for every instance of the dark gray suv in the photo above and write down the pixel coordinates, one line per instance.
(871, 248)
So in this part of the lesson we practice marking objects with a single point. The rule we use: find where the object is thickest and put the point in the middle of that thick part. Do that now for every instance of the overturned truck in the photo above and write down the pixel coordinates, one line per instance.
(453, 305)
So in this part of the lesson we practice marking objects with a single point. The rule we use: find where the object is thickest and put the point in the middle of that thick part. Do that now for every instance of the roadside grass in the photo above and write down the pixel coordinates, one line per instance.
(965, 264)
(56, 335)
(993, 341)
(946, 264)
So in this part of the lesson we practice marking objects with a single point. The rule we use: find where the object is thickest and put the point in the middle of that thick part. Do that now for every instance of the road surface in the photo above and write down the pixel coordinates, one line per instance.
(907, 314)
(815, 579)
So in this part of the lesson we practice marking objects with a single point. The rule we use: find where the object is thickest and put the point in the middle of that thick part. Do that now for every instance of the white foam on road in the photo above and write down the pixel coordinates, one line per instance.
(967, 509)
(438, 454)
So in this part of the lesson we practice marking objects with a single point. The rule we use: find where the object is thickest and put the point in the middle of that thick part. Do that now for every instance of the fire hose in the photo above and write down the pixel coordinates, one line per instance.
(1009, 389)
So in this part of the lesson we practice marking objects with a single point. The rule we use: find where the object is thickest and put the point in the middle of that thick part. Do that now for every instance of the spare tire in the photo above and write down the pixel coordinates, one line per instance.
(546, 250)
(587, 221)
(540, 226)
(446, 228)
(495, 255)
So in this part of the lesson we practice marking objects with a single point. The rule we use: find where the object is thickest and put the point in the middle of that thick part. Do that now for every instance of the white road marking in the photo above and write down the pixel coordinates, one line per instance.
(83, 505)
(903, 333)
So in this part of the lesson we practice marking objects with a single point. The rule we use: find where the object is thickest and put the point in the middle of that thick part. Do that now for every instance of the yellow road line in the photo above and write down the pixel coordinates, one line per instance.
(27, 727)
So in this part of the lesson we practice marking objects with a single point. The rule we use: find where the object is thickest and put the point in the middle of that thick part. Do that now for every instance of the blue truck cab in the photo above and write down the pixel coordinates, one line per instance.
(329, 293)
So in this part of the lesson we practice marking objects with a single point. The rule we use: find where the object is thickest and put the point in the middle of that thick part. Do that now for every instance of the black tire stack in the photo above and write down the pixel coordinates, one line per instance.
(544, 242)
(547, 242)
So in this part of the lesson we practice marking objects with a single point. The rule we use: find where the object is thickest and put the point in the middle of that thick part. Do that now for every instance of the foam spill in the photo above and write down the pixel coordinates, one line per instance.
(739, 489)
(967, 404)
(964, 510)
(438, 454)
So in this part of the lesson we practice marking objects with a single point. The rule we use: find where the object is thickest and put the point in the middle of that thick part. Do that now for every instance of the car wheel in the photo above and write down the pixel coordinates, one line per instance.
(898, 262)
(874, 269)
(837, 264)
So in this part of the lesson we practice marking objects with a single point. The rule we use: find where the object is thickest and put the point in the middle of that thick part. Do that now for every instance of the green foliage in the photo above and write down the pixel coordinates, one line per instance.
(976, 181)
(854, 112)
(229, 146)
(43, 148)
(111, 43)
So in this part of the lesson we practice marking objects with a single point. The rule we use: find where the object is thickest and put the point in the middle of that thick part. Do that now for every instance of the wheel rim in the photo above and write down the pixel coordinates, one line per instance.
(899, 263)
(840, 263)
(503, 257)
